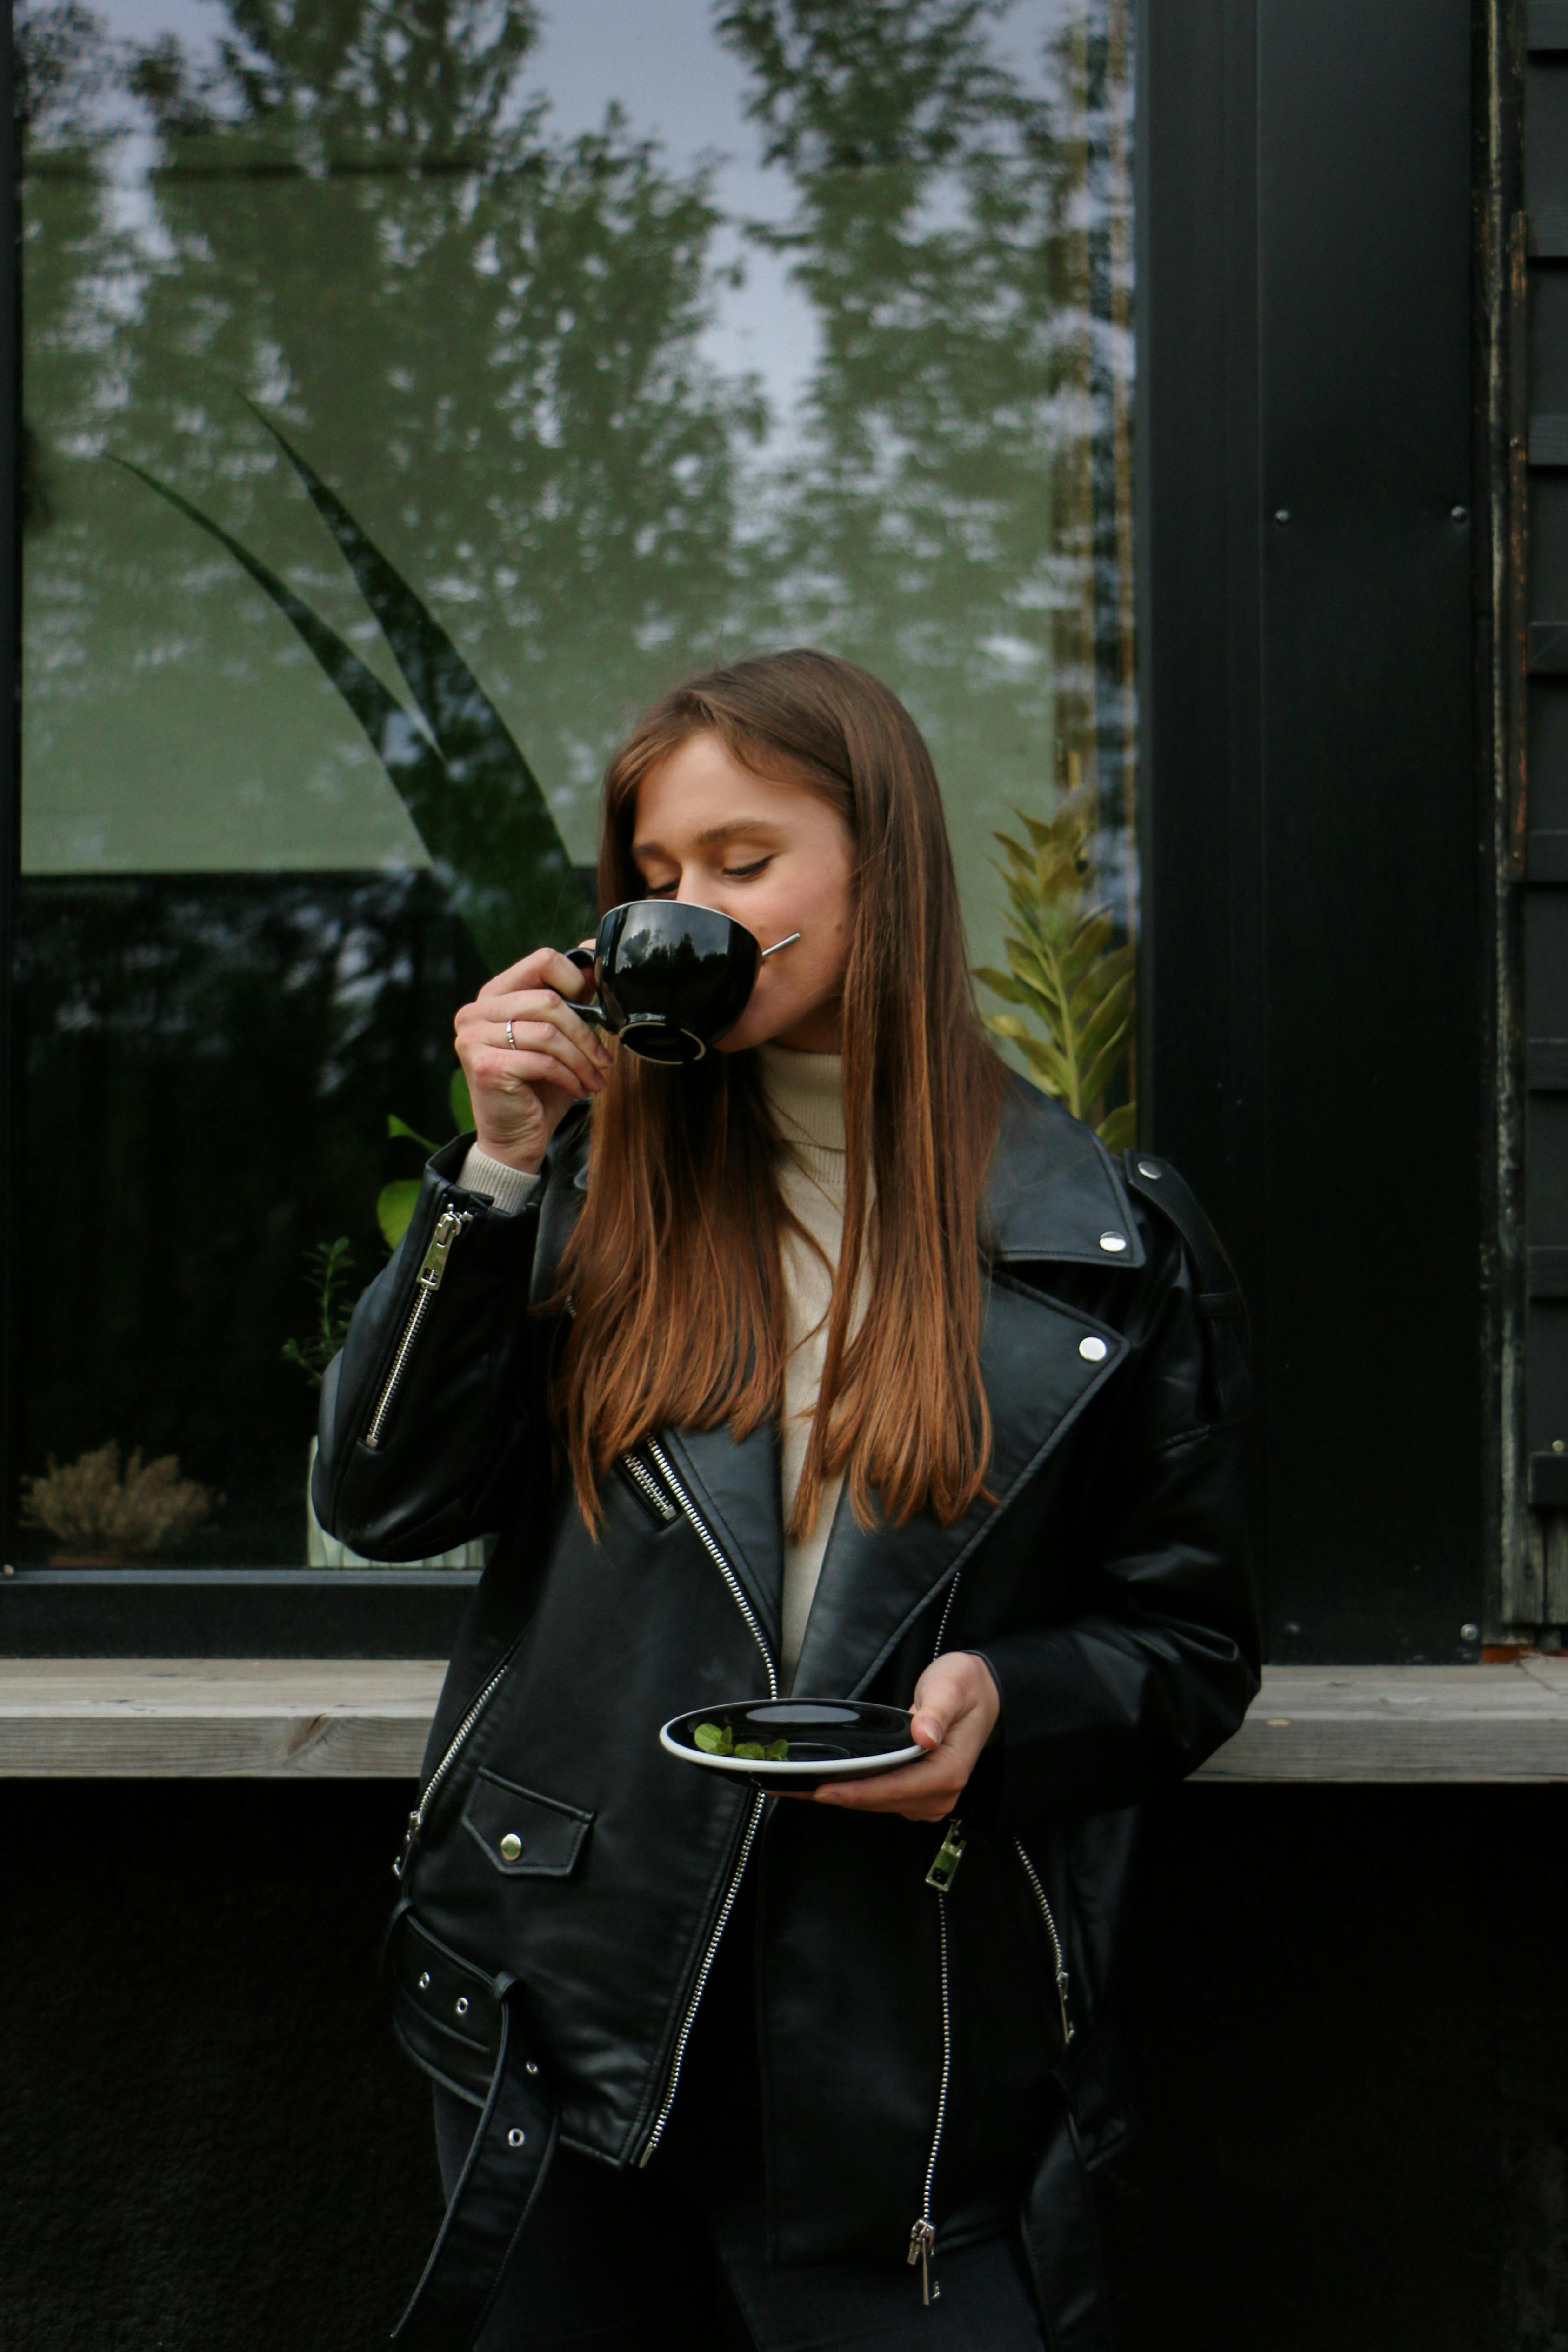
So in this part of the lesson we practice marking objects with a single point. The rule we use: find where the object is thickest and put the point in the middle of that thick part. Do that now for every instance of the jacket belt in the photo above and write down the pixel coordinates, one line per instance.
(496, 2193)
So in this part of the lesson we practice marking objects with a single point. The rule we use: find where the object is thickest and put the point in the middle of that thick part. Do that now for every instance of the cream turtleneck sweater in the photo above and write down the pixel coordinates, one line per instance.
(805, 1095)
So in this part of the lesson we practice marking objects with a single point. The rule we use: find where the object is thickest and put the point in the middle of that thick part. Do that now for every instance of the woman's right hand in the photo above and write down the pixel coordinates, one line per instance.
(521, 1094)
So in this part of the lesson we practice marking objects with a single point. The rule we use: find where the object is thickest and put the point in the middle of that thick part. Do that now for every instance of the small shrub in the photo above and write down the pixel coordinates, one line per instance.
(93, 1506)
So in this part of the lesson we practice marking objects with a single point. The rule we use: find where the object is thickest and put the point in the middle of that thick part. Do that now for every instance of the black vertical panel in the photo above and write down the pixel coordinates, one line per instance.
(1201, 1047)
(10, 717)
(1370, 884)
(1313, 1052)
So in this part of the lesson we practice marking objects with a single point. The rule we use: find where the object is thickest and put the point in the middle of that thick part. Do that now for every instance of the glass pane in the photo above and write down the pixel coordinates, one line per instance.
(410, 397)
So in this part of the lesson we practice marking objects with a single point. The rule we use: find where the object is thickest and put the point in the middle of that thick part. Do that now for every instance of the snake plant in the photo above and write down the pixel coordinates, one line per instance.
(1074, 984)
(475, 802)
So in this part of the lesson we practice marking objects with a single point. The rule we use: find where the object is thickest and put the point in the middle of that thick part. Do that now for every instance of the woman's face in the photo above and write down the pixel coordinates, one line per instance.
(776, 857)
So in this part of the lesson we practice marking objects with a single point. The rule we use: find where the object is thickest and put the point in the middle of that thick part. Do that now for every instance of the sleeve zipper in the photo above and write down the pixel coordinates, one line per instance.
(427, 1282)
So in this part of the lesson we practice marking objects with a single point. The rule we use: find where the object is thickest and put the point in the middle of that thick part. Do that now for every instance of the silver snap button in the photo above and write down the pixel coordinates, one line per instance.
(1114, 1242)
(424, 1981)
(511, 1846)
(462, 2004)
(1468, 1633)
(530, 2066)
(514, 2138)
(1092, 1351)
(1148, 1168)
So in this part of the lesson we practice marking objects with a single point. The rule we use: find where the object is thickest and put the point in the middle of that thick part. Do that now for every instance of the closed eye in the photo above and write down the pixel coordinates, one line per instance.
(731, 874)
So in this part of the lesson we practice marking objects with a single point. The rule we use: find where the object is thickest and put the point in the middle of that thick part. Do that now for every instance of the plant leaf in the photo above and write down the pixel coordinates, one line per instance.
(396, 1126)
(499, 823)
(1118, 1131)
(1001, 984)
(462, 1104)
(486, 846)
(394, 1207)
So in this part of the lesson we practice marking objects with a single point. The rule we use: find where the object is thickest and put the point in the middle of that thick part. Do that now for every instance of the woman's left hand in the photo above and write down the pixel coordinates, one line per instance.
(954, 1711)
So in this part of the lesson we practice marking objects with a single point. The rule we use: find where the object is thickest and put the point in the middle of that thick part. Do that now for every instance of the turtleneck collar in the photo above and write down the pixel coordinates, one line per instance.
(805, 1094)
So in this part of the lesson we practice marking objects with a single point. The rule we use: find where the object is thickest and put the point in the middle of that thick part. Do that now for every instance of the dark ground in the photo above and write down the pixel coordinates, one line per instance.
(1354, 2071)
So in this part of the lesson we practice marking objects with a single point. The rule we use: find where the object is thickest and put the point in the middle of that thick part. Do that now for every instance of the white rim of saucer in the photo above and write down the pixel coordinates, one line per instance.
(850, 1768)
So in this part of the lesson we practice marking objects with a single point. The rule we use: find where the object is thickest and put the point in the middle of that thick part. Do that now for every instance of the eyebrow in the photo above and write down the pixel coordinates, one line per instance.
(731, 829)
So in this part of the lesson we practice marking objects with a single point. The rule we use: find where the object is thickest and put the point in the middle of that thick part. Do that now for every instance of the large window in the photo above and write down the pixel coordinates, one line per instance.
(409, 395)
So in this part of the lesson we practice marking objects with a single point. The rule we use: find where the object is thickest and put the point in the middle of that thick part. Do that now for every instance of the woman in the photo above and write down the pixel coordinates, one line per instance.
(845, 1361)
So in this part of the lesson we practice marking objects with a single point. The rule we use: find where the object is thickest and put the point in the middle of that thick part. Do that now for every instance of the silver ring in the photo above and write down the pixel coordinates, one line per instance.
(510, 1039)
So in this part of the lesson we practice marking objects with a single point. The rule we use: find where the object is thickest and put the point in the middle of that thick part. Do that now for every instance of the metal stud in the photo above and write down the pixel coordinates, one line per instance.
(424, 1981)
(530, 2066)
(514, 2138)
(511, 1846)
(1114, 1242)
(1148, 1168)
(462, 2004)
(1092, 1351)
(1469, 1633)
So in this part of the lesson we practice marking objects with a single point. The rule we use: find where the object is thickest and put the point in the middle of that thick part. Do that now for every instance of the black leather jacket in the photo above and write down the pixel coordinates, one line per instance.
(562, 1852)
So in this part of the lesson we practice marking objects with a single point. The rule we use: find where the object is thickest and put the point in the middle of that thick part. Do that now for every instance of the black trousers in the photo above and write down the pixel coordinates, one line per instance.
(672, 2259)
(616, 2262)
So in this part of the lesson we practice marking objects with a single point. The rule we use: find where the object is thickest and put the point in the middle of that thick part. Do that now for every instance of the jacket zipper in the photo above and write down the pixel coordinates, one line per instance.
(458, 1740)
(648, 1487)
(432, 1273)
(1064, 1983)
(922, 2236)
(737, 1591)
(737, 1594)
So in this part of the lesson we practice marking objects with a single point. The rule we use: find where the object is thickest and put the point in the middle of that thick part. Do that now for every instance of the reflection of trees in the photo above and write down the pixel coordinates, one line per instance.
(488, 338)
(348, 224)
(959, 518)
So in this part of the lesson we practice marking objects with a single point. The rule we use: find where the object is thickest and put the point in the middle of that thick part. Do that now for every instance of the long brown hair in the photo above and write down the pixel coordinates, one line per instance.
(674, 1265)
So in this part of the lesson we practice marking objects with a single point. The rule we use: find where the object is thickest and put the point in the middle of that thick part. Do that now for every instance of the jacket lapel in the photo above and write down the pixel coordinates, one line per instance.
(735, 1489)
(874, 1581)
(1054, 1194)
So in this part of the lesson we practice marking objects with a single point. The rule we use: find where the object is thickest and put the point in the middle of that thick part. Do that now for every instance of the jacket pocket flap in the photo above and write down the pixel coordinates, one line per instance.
(524, 1834)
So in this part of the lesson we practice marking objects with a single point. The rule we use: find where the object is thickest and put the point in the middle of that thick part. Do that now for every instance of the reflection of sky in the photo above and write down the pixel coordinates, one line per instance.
(678, 85)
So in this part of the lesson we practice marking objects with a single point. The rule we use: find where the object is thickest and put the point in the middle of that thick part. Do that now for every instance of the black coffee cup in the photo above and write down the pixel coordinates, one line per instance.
(670, 979)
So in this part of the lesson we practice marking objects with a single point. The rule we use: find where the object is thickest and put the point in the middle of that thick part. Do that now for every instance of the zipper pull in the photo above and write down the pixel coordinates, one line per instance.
(401, 1865)
(944, 1869)
(432, 1265)
(1068, 2027)
(923, 2250)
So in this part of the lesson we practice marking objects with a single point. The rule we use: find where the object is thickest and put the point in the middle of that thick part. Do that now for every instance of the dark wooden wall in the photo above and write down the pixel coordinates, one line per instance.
(1346, 2003)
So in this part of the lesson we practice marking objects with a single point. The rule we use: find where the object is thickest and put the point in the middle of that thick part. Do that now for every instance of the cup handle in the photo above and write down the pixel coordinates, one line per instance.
(594, 1015)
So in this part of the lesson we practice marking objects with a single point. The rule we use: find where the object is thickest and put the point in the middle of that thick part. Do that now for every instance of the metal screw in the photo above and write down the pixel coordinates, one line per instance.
(1468, 1633)
(1460, 514)
(1281, 514)
(514, 2138)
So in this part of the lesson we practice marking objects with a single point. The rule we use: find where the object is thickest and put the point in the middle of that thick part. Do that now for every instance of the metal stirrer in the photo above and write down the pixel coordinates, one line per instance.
(779, 943)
